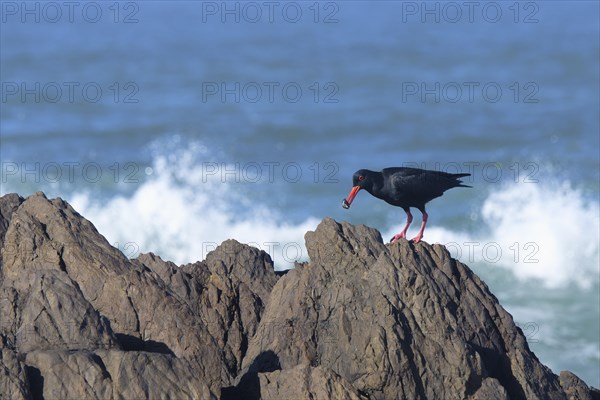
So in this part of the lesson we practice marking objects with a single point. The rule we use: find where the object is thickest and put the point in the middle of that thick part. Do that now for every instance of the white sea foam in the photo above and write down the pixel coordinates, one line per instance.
(542, 231)
(554, 225)
(546, 231)
(182, 214)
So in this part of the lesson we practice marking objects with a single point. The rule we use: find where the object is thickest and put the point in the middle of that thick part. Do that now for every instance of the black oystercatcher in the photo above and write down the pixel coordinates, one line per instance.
(406, 188)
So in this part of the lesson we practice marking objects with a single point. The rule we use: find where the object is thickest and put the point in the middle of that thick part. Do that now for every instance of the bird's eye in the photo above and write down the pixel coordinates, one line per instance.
(360, 178)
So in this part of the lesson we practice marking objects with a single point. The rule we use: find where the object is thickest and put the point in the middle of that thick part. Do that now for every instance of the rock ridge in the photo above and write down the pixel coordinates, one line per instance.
(360, 320)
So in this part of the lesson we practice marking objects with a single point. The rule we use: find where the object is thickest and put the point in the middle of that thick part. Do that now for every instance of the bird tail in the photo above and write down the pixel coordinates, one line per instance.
(460, 183)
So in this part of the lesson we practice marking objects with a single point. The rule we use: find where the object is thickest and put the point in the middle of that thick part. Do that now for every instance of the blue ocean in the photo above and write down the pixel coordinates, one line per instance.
(173, 126)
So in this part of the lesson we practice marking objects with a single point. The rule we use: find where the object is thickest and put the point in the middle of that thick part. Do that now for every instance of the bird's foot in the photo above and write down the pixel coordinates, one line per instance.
(401, 235)
(417, 239)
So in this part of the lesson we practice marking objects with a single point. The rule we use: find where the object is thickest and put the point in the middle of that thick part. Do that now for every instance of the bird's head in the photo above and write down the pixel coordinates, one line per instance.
(362, 179)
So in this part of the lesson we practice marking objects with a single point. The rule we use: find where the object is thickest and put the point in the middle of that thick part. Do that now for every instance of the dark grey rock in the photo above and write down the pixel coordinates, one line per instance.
(14, 382)
(306, 382)
(398, 321)
(361, 320)
(575, 388)
(57, 316)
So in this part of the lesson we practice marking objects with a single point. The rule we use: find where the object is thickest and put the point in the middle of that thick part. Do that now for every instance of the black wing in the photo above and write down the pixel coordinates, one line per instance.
(418, 186)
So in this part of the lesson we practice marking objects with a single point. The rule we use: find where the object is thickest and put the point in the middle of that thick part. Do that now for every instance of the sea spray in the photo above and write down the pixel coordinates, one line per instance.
(182, 214)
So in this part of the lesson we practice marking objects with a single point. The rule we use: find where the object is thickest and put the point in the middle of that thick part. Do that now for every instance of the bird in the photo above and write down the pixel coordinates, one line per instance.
(404, 187)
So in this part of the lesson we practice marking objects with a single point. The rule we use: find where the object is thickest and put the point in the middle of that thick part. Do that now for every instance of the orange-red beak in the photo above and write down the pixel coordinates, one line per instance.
(347, 202)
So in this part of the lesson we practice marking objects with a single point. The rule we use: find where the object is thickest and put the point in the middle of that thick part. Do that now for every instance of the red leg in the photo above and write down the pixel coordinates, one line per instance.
(402, 234)
(419, 236)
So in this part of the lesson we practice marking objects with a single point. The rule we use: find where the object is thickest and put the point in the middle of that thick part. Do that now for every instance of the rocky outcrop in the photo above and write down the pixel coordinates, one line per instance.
(86, 322)
(362, 320)
(398, 321)
(575, 388)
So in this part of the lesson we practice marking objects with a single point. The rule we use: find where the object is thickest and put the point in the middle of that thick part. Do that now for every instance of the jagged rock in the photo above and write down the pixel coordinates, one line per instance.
(490, 389)
(361, 320)
(61, 374)
(576, 389)
(57, 316)
(398, 321)
(49, 237)
(228, 291)
(235, 296)
(106, 374)
(8, 205)
(306, 382)
(167, 271)
(14, 383)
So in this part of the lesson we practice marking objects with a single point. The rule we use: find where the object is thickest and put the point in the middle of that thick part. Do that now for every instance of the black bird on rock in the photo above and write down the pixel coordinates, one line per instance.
(406, 188)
